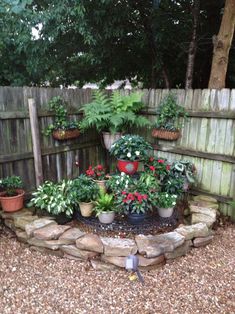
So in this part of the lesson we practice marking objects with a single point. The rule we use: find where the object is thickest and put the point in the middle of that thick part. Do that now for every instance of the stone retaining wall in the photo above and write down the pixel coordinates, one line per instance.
(45, 235)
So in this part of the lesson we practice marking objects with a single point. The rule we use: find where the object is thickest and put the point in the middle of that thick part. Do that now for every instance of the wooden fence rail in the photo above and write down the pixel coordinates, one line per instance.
(208, 137)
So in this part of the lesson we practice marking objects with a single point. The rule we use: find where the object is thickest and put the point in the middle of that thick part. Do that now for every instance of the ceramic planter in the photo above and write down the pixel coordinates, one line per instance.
(86, 208)
(12, 203)
(62, 135)
(110, 138)
(166, 134)
(129, 167)
(106, 217)
(165, 212)
(136, 219)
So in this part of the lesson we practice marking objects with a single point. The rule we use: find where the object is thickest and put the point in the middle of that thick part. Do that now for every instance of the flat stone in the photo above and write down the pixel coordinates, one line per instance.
(21, 235)
(180, 251)
(71, 235)
(153, 246)
(47, 251)
(102, 266)
(10, 224)
(90, 242)
(205, 198)
(38, 223)
(145, 262)
(21, 222)
(74, 251)
(203, 214)
(50, 244)
(198, 242)
(50, 232)
(193, 231)
(119, 261)
(21, 213)
(118, 247)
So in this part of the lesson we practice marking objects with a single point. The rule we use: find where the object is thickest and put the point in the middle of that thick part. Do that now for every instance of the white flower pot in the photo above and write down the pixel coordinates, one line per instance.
(106, 217)
(110, 138)
(165, 212)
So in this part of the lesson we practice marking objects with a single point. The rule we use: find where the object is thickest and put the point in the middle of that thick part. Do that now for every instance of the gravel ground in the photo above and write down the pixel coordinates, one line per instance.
(201, 282)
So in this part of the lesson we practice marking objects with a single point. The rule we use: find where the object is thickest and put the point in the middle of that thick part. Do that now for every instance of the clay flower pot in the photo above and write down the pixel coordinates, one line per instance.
(86, 209)
(12, 203)
(110, 138)
(129, 167)
(101, 184)
(165, 212)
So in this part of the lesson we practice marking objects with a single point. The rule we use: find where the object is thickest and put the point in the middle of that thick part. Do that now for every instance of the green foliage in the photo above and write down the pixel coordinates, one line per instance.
(11, 184)
(166, 200)
(113, 114)
(157, 166)
(119, 182)
(57, 105)
(55, 198)
(185, 169)
(130, 147)
(85, 189)
(172, 184)
(169, 114)
(104, 203)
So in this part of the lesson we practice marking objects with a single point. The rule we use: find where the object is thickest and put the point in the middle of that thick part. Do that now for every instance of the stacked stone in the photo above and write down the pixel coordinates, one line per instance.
(45, 235)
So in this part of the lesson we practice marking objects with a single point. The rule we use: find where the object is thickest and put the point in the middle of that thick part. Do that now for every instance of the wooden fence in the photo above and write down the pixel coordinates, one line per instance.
(208, 137)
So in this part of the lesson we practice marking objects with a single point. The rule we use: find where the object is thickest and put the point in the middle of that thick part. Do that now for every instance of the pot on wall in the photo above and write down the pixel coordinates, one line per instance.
(61, 135)
(165, 212)
(166, 134)
(127, 166)
(110, 138)
(86, 209)
(12, 203)
(106, 217)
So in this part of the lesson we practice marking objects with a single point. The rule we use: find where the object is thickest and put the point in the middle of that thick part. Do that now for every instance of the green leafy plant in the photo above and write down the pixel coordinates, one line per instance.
(157, 166)
(170, 114)
(166, 200)
(61, 122)
(104, 203)
(185, 169)
(113, 114)
(172, 184)
(85, 189)
(130, 147)
(10, 185)
(119, 182)
(55, 198)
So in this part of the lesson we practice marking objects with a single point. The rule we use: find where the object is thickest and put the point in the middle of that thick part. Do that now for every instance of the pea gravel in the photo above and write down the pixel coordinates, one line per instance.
(201, 282)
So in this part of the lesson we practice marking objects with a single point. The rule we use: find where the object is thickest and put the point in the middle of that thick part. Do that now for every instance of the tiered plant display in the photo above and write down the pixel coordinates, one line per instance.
(170, 119)
(112, 116)
(12, 195)
(62, 128)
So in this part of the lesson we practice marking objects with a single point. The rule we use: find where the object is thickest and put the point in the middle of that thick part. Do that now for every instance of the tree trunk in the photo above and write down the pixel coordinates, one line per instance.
(222, 44)
(166, 78)
(193, 46)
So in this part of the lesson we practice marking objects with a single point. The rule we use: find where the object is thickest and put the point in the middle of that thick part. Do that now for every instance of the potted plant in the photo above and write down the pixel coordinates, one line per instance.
(129, 150)
(98, 174)
(166, 203)
(186, 170)
(105, 207)
(58, 199)
(157, 166)
(168, 123)
(119, 182)
(86, 191)
(62, 128)
(12, 195)
(113, 115)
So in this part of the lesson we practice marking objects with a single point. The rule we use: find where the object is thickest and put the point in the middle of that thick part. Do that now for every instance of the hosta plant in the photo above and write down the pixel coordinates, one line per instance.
(131, 147)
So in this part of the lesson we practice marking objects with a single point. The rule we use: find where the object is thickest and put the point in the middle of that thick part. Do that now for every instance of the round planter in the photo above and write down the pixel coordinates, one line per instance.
(165, 212)
(136, 219)
(62, 135)
(86, 209)
(12, 203)
(129, 167)
(110, 138)
(101, 184)
(165, 134)
(106, 217)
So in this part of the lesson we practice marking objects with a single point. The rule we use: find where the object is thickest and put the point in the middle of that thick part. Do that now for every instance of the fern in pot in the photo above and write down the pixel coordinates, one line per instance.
(112, 116)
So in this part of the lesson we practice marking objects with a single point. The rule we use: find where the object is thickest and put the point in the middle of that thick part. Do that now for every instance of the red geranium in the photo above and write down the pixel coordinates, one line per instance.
(96, 173)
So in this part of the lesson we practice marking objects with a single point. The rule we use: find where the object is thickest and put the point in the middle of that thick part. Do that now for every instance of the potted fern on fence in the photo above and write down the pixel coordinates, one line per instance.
(112, 116)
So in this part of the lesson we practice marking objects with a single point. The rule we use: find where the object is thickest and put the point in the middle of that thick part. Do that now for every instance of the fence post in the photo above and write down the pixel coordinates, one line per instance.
(36, 141)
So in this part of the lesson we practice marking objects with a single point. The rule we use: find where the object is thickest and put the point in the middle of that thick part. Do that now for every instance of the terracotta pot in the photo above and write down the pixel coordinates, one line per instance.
(110, 138)
(62, 135)
(101, 184)
(12, 203)
(129, 167)
(165, 212)
(106, 217)
(165, 134)
(86, 208)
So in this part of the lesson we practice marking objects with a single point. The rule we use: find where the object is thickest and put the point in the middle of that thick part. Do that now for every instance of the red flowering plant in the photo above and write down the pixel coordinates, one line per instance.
(97, 173)
(157, 166)
(133, 202)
